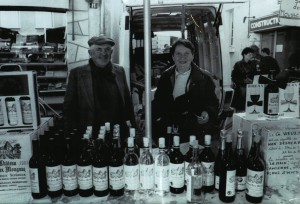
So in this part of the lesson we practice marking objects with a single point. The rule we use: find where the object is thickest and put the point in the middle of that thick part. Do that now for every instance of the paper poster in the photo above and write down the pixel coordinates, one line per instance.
(254, 101)
(289, 101)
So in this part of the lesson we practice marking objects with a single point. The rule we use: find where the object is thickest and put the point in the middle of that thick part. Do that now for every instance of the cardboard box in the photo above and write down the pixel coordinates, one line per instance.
(246, 125)
(280, 149)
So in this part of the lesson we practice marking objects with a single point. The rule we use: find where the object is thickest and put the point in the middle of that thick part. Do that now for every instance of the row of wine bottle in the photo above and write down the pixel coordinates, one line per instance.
(102, 169)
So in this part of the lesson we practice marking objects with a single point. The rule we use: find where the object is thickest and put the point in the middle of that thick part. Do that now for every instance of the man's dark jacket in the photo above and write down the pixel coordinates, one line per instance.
(79, 105)
(200, 96)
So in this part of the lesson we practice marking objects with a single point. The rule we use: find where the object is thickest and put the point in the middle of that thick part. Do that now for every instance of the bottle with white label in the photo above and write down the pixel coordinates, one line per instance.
(219, 158)
(176, 168)
(84, 170)
(100, 168)
(131, 169)
(26, 110)
(53, 171)
(116, 170)
(255, 174)
(162, 169)
(207, 159)
(11, 110)
(146, 170)
(37, 172)
(227, 174)
(194, 178)
(271, 98)
(241, 163)
(69, 171)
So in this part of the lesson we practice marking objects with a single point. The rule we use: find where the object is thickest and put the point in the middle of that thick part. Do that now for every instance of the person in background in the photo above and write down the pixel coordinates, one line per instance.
(185, 96)
(98, 92)
(268, 63)
(242, 74)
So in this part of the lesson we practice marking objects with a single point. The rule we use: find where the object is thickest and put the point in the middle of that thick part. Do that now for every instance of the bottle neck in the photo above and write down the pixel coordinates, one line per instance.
(35, 148)
(195, 155)
(257, 149)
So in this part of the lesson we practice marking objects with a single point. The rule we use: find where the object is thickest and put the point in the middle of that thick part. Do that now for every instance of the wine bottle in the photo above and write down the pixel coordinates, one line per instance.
(207, 159)
(255, 132)
(146, 170)
(136, 146)
(271, 98)
(219, 158)
(11, 110)
(69, 171)
(227, 174)
(26, 110)
(131, 169)
(188, 157)
(100, 168)
(116, 170)
(255, 174)
(241, 164)
(176, 168)
(162, 169)
(84, 170)
(194, 177)
(169, 140)
(37, 172)
(53, 171)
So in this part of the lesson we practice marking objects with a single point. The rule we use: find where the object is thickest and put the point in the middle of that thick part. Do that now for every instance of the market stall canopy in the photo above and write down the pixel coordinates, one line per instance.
(33, 5)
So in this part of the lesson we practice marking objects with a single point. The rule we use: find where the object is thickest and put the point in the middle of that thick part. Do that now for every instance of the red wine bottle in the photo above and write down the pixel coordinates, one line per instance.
(227, 174)
(255, 174)
(37, 172)
(176, 168)
(84, 170)
(271, 98)
(69, 171)
(241, 164)
(116, 170)
(219, 158)
(53, 171)
(207, 159)
(100, 169)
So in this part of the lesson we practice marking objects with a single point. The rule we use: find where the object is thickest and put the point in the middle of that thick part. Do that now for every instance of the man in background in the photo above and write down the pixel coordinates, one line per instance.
(268, 64)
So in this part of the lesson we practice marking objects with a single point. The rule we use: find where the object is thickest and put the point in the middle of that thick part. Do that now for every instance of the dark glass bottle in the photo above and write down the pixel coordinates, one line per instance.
(37, 172)
(207, 159)
(227, 174)
(84, 170)
(255, 132)
(188, 157)
(219, 158)
(176, 168)
(241, 163)
(116, 170)
(53, 171)
(131, 168)
(100, 169)
(271, 98)
(69, 171)
(169, 140)
(255, 174)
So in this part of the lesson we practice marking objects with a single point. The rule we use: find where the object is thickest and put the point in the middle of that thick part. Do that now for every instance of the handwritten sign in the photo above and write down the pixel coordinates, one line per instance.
(281, 152)
(289, 13)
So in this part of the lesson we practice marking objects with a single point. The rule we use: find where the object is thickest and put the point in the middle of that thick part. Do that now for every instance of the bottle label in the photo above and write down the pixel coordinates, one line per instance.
(69, 177)
(116, 177)
(186, 164)
(54, 181)
(12, 112)
(26, 111)
(100, 178)
(34, 178)
(208, 173)
(273, 103)
(85, 178)
(217, 182)
(131, 177)
(230, 183)
(193, 182)
(146, 176)
(176, 175)
(255, 183)
(241, 183)
(162, 178)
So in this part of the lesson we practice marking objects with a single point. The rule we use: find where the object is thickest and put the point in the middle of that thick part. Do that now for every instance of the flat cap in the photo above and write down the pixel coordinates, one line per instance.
(101, 40)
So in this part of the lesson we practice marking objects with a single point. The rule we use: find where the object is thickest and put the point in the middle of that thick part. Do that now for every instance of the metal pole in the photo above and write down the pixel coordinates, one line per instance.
(147, 65)
(102, 14)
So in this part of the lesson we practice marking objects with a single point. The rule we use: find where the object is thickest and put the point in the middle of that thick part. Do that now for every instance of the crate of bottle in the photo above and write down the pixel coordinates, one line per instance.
(281, 152)
(19, 106)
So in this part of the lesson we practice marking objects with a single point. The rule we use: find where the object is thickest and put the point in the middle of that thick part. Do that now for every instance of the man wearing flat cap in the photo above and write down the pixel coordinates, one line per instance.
(98, 92)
